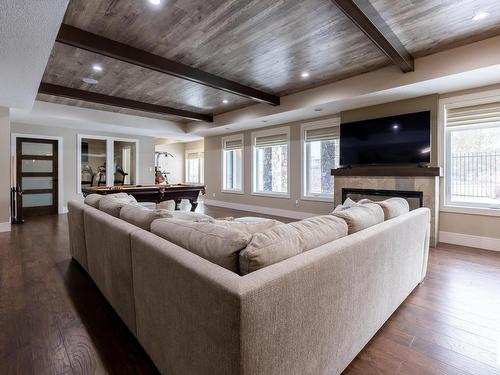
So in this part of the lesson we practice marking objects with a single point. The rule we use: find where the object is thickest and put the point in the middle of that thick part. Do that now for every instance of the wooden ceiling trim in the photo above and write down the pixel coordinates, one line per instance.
(366, 17)
(93, 97)
(75, 37)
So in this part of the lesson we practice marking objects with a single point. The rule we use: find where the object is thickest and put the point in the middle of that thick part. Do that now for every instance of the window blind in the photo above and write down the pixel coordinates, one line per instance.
(475, 114)
(271, 140)
(233, 144)
(192, 155)
(322, 134)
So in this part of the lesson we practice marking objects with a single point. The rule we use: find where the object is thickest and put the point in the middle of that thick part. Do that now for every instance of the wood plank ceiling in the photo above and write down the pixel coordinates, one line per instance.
(263, 44)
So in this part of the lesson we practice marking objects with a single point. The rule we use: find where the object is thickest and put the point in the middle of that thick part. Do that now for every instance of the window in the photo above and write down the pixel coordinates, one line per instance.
(320, 155)
(473, 156)
(232, 164)
(195, 166)
(95, 153)
(270, 162)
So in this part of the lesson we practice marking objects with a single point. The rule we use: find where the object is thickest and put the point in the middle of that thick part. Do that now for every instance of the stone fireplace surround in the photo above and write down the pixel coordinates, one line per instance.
(428, 185)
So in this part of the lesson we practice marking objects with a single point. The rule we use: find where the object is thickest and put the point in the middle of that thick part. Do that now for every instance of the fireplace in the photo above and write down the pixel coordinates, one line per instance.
(415, 198)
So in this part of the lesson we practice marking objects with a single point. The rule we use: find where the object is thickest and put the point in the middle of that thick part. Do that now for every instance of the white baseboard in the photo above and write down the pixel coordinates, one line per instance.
(259, 209)
(486, 243)
(5, 227)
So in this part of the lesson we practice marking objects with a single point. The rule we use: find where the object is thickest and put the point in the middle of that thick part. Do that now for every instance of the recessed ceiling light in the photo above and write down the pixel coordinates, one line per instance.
(318, 109)
(155, 2)
(225, 101)
(97, 68)
(90, 81)
(395, 126)
(478, 16)
(227, 128)
(264, 120)
(305, 75)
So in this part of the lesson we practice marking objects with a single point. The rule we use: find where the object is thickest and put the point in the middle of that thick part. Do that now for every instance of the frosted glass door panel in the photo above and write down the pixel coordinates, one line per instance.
(40, 149)
(40, 166)
(37, 200)
(30, 183)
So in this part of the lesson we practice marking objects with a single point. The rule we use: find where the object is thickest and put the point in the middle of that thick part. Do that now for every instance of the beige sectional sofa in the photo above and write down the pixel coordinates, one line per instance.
(308, 314)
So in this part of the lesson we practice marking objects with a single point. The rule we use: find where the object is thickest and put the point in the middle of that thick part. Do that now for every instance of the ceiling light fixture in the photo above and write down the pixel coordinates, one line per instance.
(225, 101)
(90, 81)
(318, 109)
(395, 126)
(305, 75)
(155, 2)
(97, 68)
(478, 16)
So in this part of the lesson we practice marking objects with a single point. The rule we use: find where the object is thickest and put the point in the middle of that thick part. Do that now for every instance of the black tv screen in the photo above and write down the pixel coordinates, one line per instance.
(404, 139)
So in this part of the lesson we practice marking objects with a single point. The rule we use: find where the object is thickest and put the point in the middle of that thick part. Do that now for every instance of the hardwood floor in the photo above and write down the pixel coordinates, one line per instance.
(53, 319)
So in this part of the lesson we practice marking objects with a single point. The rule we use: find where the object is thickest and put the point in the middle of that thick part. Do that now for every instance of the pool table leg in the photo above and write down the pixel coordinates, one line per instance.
(177, 204)
(194, 204)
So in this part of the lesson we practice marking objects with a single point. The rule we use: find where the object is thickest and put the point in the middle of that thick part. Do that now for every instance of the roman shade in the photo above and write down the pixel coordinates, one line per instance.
(329, 133)
(192, 155)
(474, 114)
(271, 140)
(233, 144)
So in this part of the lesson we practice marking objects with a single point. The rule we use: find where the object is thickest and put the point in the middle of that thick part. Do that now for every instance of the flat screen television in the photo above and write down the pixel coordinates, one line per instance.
(404, 139)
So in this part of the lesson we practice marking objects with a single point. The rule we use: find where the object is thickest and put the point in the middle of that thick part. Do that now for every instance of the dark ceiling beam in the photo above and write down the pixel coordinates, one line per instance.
(93, 97)
(366, 17)
(78, 38)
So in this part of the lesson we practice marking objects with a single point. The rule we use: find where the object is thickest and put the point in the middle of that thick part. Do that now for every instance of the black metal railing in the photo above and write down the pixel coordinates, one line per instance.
(475, 174)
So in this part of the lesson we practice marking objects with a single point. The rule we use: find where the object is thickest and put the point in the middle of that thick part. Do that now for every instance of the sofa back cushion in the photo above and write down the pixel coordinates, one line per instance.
(249, 225)
(360, 216)
(140, 216)
(394, 207)
(286, 240)
(93, 200)
(113, 203)
(216, 243)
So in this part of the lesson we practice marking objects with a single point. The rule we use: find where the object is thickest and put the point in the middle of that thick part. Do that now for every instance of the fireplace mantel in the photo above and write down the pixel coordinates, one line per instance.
(386, 171)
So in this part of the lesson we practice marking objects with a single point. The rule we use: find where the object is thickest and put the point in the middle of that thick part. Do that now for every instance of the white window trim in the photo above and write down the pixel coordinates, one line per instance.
(266, 132)
(234, 137)
(453, 102)
(61, 209)
(193, 151)
(109, 157)
(334, 121)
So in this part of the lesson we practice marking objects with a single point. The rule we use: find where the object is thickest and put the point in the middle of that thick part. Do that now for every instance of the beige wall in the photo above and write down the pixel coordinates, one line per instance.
(213, 177)
(146, 154)
(5, 161)
(196, 145)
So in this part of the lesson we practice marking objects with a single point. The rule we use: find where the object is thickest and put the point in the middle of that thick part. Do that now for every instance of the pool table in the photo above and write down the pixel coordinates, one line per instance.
(153, 193)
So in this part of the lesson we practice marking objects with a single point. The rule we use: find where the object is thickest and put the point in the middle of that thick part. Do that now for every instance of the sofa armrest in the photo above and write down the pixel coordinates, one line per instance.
(187, 308)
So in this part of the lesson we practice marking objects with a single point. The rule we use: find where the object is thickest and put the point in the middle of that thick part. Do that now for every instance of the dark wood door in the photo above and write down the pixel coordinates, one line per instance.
(37, 171)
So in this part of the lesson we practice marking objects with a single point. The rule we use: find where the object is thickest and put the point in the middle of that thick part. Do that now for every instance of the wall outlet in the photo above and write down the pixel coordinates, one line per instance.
(213, 195)
(297, 204)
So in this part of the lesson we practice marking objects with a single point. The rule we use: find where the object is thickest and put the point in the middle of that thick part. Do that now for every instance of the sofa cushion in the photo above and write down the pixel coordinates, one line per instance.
(248, 225)
(141, 216)
(216, 243)
(191, 216)
(348, 203)
(93, 200)
(286, 240)
(393, 207)
(112, 203)
(361, 216)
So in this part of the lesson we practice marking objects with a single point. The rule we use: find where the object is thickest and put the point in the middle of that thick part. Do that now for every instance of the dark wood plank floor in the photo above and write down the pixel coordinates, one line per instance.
(53, 320)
